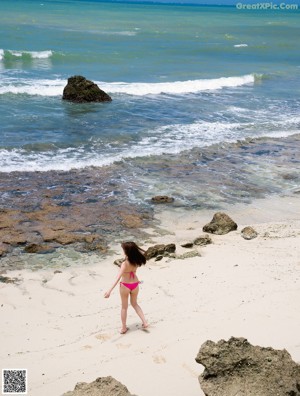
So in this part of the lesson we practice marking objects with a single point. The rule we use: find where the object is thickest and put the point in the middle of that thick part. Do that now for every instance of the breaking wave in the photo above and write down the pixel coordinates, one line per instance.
(55, 87)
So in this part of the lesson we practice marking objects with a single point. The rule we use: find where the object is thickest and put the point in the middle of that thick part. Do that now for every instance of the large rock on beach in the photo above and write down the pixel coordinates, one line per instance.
(81, 90)
(102, 386)
(236, 367)
(220, 224)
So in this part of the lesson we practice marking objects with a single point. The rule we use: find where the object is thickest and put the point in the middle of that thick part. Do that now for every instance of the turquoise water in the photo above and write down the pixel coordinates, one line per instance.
(181, 77)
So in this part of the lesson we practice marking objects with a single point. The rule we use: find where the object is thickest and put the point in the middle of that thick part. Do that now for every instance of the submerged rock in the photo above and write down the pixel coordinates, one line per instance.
(220, 224)
(81, 90)
(102, 386)
(236, 367)
(249, 233)
(162, 199)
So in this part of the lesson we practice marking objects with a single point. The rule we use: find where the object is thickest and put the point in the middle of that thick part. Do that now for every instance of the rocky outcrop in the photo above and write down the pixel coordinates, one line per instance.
(236, 367)
(66, 210)
(160, 250)
(220, 224)
(81, 90)
(249, 233)
(162, 199)
(102, 386)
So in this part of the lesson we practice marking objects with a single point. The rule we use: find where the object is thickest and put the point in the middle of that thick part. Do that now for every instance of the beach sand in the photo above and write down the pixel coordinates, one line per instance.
(60, 328)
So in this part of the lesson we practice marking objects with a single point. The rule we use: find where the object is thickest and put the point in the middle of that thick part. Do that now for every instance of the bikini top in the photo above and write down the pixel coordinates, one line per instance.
(131, 274)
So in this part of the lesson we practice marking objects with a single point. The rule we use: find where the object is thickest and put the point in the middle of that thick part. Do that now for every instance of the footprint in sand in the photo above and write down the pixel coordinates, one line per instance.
(158, 359)
(103, 336)
(87, 347)
(123, 346)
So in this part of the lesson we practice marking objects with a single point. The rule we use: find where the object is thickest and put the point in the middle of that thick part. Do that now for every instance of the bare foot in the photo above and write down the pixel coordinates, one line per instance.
(123, 331)
(145, 326)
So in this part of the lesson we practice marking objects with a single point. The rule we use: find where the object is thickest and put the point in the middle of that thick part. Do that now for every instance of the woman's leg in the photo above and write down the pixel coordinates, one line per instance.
(124, 293)
(136, 307)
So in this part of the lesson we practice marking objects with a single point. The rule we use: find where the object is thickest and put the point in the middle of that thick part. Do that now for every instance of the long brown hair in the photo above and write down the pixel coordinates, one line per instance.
(134, 253)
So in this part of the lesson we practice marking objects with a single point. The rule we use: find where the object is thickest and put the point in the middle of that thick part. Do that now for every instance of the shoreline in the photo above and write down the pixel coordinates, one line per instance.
(59, 326)
(86, 208)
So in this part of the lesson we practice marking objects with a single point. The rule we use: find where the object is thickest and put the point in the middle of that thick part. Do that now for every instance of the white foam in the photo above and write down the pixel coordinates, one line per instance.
(177, 87)
(122, 33)
(170, 139)
(40, 54)
(32, 54)
(55, 87)
(240, 45)
(1, 54)
(33, 87)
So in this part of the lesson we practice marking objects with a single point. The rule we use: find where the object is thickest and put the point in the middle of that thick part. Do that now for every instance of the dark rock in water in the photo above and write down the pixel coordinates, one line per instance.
(249, 233)
(236, 367)
(162, 199)
(160, 250)
(102, 386)
(81, 90)
(221, 224)
(203, 240)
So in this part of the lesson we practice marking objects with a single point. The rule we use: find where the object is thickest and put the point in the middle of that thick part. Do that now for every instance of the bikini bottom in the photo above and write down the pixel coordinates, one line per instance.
(130, 286)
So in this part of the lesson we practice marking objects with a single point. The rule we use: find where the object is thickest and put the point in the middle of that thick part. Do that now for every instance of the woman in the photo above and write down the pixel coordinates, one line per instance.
(129, 285)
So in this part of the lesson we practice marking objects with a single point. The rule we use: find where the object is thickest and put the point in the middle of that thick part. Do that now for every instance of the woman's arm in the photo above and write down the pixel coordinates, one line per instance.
(121, 272)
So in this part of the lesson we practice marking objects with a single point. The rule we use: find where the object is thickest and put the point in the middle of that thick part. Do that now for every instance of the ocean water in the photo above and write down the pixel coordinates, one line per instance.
(188, 83)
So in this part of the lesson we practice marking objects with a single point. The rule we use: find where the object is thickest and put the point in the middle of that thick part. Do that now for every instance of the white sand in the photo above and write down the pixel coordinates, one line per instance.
(60, 328)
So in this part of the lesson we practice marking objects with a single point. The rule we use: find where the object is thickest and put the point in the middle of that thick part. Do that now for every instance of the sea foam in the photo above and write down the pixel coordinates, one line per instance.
(32, 87)
(177, 87)
(20, 54)
(55, 87)
(169, 139)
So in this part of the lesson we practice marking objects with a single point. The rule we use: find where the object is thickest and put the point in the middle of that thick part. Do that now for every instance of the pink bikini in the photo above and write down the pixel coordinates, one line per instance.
(130, 286)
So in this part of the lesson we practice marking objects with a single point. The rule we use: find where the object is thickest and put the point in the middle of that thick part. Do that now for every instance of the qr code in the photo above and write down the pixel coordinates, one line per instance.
(14, 381)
